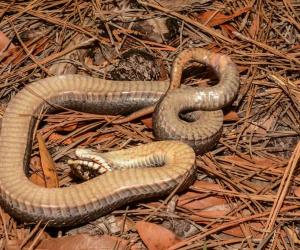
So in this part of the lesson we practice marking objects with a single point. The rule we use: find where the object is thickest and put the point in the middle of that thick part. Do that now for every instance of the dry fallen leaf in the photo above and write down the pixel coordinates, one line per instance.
(212, 214)
(216, 211)
(147, 122)
(217, 18)
(83, 241)
(191, 200)
(231, 116)
(156, 237)
(5, 42)
(255, 228)
(37, 177)
(258, 162)
(48, 165)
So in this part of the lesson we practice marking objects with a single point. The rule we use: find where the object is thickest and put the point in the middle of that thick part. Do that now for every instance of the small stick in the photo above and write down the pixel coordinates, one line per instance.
(285, 183)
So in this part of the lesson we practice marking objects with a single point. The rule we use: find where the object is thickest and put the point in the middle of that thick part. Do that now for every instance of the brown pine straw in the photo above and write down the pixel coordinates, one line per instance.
(252, 169)
(189, 20)
(283, 189)
(197, 237)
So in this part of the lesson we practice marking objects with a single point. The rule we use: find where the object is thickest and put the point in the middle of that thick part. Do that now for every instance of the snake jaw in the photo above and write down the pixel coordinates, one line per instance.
(91, 155)
(89, 164)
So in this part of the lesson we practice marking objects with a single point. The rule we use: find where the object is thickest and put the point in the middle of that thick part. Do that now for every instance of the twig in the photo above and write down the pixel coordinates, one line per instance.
(285, 183)
(266, 47)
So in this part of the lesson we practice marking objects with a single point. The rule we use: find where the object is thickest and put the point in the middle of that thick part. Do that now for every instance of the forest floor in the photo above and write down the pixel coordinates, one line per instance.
(246, 195)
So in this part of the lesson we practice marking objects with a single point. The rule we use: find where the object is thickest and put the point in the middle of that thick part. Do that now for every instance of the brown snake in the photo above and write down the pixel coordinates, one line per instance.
(83, 202)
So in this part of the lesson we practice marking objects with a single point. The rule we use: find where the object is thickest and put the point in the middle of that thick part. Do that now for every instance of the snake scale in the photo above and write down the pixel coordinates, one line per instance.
(86, 201)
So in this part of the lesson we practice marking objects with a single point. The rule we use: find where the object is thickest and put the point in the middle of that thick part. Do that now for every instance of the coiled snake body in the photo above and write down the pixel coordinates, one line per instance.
(83, 202)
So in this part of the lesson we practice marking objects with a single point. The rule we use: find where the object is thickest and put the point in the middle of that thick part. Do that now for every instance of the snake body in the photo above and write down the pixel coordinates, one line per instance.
(83, 202)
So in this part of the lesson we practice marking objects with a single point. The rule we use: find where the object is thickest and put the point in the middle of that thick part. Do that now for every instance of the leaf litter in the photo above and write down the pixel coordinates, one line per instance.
(246, 195)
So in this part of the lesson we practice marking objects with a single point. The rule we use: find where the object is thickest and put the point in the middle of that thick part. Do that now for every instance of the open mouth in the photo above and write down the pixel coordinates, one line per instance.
(89, 164)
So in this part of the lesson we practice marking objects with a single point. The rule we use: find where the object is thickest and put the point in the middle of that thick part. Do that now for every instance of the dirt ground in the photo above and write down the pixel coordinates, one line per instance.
(246, 195)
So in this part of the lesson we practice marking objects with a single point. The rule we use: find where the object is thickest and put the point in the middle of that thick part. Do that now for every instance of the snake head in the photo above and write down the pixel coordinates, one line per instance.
(89, 164)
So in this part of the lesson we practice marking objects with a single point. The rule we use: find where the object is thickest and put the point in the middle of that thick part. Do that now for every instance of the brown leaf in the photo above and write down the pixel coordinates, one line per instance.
(216, 211)
(190, 201)
(219, 18)
(48, 165)
(37, 177)
(231, 116)
(258, 161)
(83, 241)
(156, 237)
(147, 122)
(4, 41)
(212, 214)
(255, 228)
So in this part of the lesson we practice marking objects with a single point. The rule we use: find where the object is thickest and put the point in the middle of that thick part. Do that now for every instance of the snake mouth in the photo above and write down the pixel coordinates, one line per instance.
(88, 164)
